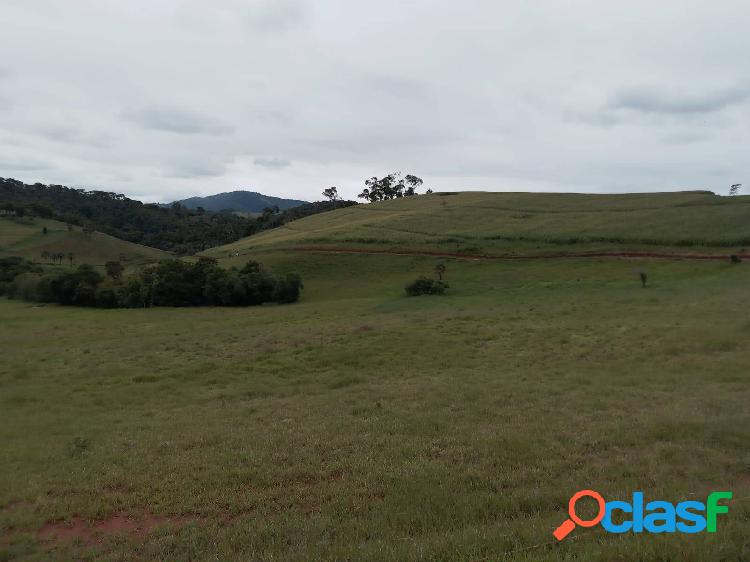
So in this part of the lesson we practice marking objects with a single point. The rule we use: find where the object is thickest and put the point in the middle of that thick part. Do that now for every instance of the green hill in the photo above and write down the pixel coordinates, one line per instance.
(362, 424)
(241, 201)
(174, 228)
(25, 238)
(481, 222)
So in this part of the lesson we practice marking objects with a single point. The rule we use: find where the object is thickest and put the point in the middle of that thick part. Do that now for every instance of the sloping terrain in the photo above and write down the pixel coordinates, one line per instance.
(242, 201)
(174, 229)
(25, 238)
(477, 222)
(361, 424)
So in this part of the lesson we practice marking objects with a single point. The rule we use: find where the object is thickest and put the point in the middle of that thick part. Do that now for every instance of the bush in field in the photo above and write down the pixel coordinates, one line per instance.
(425, 286)
(288, 288)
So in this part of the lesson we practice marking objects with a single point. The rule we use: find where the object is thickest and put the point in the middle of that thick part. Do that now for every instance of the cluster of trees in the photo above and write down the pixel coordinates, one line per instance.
(13, 267)
(57, 257)
(392, 186)
(168, 283)
(174, 228)
(273, 217)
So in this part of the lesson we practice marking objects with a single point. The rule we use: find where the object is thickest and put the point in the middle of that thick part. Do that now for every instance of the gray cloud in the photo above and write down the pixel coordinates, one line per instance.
(652, 100)
(278, 15)
(189, 97)
(273, 163)
(196, 169)
(23, 164)
(173, 120)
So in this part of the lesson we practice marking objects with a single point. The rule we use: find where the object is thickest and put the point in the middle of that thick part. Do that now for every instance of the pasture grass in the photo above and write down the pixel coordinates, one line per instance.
(24, 237)
(360, 424)
(482, 222)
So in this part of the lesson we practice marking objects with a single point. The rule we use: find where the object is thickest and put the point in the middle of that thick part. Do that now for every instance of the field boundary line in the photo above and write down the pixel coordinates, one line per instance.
(519, 257)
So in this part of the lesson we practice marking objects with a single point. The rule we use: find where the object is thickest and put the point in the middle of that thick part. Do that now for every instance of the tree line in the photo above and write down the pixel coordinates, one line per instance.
(174, 228)
(167, 283)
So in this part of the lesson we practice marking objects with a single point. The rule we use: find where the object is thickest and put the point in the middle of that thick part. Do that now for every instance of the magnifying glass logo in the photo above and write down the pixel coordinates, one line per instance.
(569, 524)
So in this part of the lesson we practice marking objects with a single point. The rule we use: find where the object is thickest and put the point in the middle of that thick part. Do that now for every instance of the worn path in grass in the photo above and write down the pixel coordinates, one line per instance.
(555, 255)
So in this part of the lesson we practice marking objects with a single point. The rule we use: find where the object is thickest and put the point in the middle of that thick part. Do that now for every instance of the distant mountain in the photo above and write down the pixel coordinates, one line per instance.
(243, 201)
(176, 230)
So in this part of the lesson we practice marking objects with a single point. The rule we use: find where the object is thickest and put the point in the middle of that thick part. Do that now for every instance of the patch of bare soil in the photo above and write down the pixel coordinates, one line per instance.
(91, 533)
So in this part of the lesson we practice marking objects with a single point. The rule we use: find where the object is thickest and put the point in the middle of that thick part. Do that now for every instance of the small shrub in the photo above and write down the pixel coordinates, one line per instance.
(734, 258)
(425, 286)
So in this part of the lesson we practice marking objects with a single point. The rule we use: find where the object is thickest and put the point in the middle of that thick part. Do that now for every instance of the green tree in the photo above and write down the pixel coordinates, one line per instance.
(440, 270)
(331, 193)
(392, 186)
(288, 288)
(114, 269)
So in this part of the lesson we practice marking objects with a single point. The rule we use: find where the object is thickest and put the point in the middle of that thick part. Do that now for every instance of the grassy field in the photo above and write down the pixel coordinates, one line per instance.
(25, 238)
(359, 424)
(480, 222)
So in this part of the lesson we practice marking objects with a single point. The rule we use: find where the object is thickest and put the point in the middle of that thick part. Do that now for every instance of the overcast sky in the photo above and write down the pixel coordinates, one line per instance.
(163, 99)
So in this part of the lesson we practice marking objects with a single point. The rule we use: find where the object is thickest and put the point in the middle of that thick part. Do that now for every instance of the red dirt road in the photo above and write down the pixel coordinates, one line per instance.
(481, 257)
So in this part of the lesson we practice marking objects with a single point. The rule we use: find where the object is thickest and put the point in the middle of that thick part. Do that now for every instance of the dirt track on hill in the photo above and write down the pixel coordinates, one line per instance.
(489, 257)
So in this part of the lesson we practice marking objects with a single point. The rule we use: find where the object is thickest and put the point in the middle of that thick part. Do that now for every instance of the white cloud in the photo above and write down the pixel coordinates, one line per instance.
(273, 163)
(174, 120)
(181, 97)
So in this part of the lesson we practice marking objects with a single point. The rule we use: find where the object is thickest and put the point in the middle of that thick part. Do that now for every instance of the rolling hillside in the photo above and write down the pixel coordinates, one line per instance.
(481, 222)
(25, 238)
(240, 201)
(462, 423)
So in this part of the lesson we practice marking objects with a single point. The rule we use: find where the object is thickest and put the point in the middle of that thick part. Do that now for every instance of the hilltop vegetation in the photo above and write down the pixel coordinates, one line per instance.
(480, 222)
(241, 201)
(174, 228)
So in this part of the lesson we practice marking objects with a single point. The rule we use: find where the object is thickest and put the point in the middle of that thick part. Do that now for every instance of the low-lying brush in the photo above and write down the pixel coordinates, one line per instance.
(168, 283)
(425, 286)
